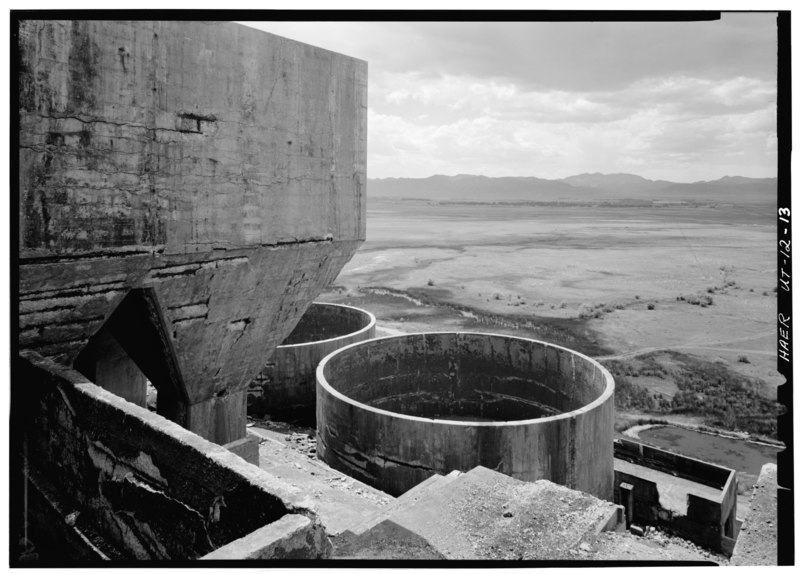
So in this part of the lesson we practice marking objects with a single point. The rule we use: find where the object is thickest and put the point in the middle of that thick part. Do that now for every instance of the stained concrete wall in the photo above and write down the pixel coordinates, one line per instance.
(217, 166)
(139, 486)
(465, 372)
(705, 520)
(287, 386)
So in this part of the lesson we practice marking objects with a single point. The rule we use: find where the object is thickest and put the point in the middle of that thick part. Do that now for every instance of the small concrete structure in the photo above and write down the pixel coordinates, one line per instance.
(287, 385)
(691, 498)
(395, 410)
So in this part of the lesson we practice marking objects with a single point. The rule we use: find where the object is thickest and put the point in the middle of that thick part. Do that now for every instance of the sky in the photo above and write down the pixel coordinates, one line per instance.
(682, 101)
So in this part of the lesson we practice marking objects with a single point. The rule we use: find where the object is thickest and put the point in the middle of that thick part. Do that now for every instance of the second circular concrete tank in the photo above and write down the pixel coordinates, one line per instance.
(392, 411)
(287, 384)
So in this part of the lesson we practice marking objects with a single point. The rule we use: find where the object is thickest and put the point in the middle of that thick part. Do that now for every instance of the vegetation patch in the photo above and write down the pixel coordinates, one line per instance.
(701, 299)
(724, 398)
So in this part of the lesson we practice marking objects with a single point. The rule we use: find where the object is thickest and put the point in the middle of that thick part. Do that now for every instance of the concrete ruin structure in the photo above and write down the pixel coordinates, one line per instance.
(287, 387)
(680, 494)
(186, 189)
(395, 410)
(104, 479)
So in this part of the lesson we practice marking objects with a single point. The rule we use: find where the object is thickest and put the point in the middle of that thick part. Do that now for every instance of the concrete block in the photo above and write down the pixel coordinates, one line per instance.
(292, 537)
(246, 447)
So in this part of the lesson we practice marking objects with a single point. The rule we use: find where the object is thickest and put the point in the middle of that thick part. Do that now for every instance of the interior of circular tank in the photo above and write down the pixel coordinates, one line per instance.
(325, 321)
(466, 377)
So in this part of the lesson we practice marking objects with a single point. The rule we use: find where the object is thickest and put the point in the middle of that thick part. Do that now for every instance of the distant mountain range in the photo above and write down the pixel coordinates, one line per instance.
(583, 188)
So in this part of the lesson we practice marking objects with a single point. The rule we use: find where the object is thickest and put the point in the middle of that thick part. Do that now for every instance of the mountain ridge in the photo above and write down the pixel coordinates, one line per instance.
(585, 187)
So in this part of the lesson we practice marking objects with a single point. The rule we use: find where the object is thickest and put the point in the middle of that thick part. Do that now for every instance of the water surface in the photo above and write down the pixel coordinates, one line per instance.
(739, 455)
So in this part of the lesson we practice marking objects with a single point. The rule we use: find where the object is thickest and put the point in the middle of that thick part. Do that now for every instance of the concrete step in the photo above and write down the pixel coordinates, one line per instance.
(423, 490)
(483, 514)
(342, 502)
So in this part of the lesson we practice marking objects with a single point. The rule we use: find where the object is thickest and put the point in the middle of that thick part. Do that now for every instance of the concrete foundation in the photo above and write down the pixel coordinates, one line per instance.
(191, 186)
(393, 411)
(287, 385)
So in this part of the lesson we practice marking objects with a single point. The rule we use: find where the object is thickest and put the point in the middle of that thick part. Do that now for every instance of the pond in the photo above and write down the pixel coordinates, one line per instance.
(739, 455)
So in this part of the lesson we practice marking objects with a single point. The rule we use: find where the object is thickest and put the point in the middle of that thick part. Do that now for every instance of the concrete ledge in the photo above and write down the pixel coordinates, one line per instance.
(292, 537)
(150, 488)
(757, 544)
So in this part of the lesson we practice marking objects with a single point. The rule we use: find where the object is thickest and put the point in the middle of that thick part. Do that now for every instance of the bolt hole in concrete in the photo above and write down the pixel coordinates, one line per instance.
(392, 411)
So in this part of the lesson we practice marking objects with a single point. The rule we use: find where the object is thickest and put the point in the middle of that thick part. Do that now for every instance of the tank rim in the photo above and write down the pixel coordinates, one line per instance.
(372, 322)
(607, 393)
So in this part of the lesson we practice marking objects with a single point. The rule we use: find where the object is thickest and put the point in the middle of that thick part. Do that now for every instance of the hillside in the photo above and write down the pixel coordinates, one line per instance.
(583, 188)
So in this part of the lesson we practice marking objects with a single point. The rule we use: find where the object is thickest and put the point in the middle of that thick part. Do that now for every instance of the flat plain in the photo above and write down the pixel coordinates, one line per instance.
(617, 283)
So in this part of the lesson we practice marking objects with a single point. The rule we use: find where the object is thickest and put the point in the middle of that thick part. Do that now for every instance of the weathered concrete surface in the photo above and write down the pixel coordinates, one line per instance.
(376, 401)
(149, 488)
(287, 386)
(688, 497)
(291, 537)
(758, 540)
(487, 515)
(218, 167)
(341, 503)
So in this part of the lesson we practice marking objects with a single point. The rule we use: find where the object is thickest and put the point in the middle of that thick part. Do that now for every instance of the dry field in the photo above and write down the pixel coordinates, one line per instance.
(602, 280)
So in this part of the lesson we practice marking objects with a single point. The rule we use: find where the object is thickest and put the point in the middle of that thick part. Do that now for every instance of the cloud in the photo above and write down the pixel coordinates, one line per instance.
(554, 55)
(673, 100)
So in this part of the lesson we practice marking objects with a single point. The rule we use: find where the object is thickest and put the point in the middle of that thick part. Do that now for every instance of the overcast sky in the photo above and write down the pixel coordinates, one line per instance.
(678, 101)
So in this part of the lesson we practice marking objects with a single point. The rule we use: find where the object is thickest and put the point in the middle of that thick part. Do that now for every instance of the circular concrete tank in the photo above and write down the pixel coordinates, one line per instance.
(392, 411)
(287, 384)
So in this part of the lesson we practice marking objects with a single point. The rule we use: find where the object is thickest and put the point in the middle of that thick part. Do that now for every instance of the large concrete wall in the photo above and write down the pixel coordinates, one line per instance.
(220, 168)
(134, 485)
(465, 374)
(288, 385)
